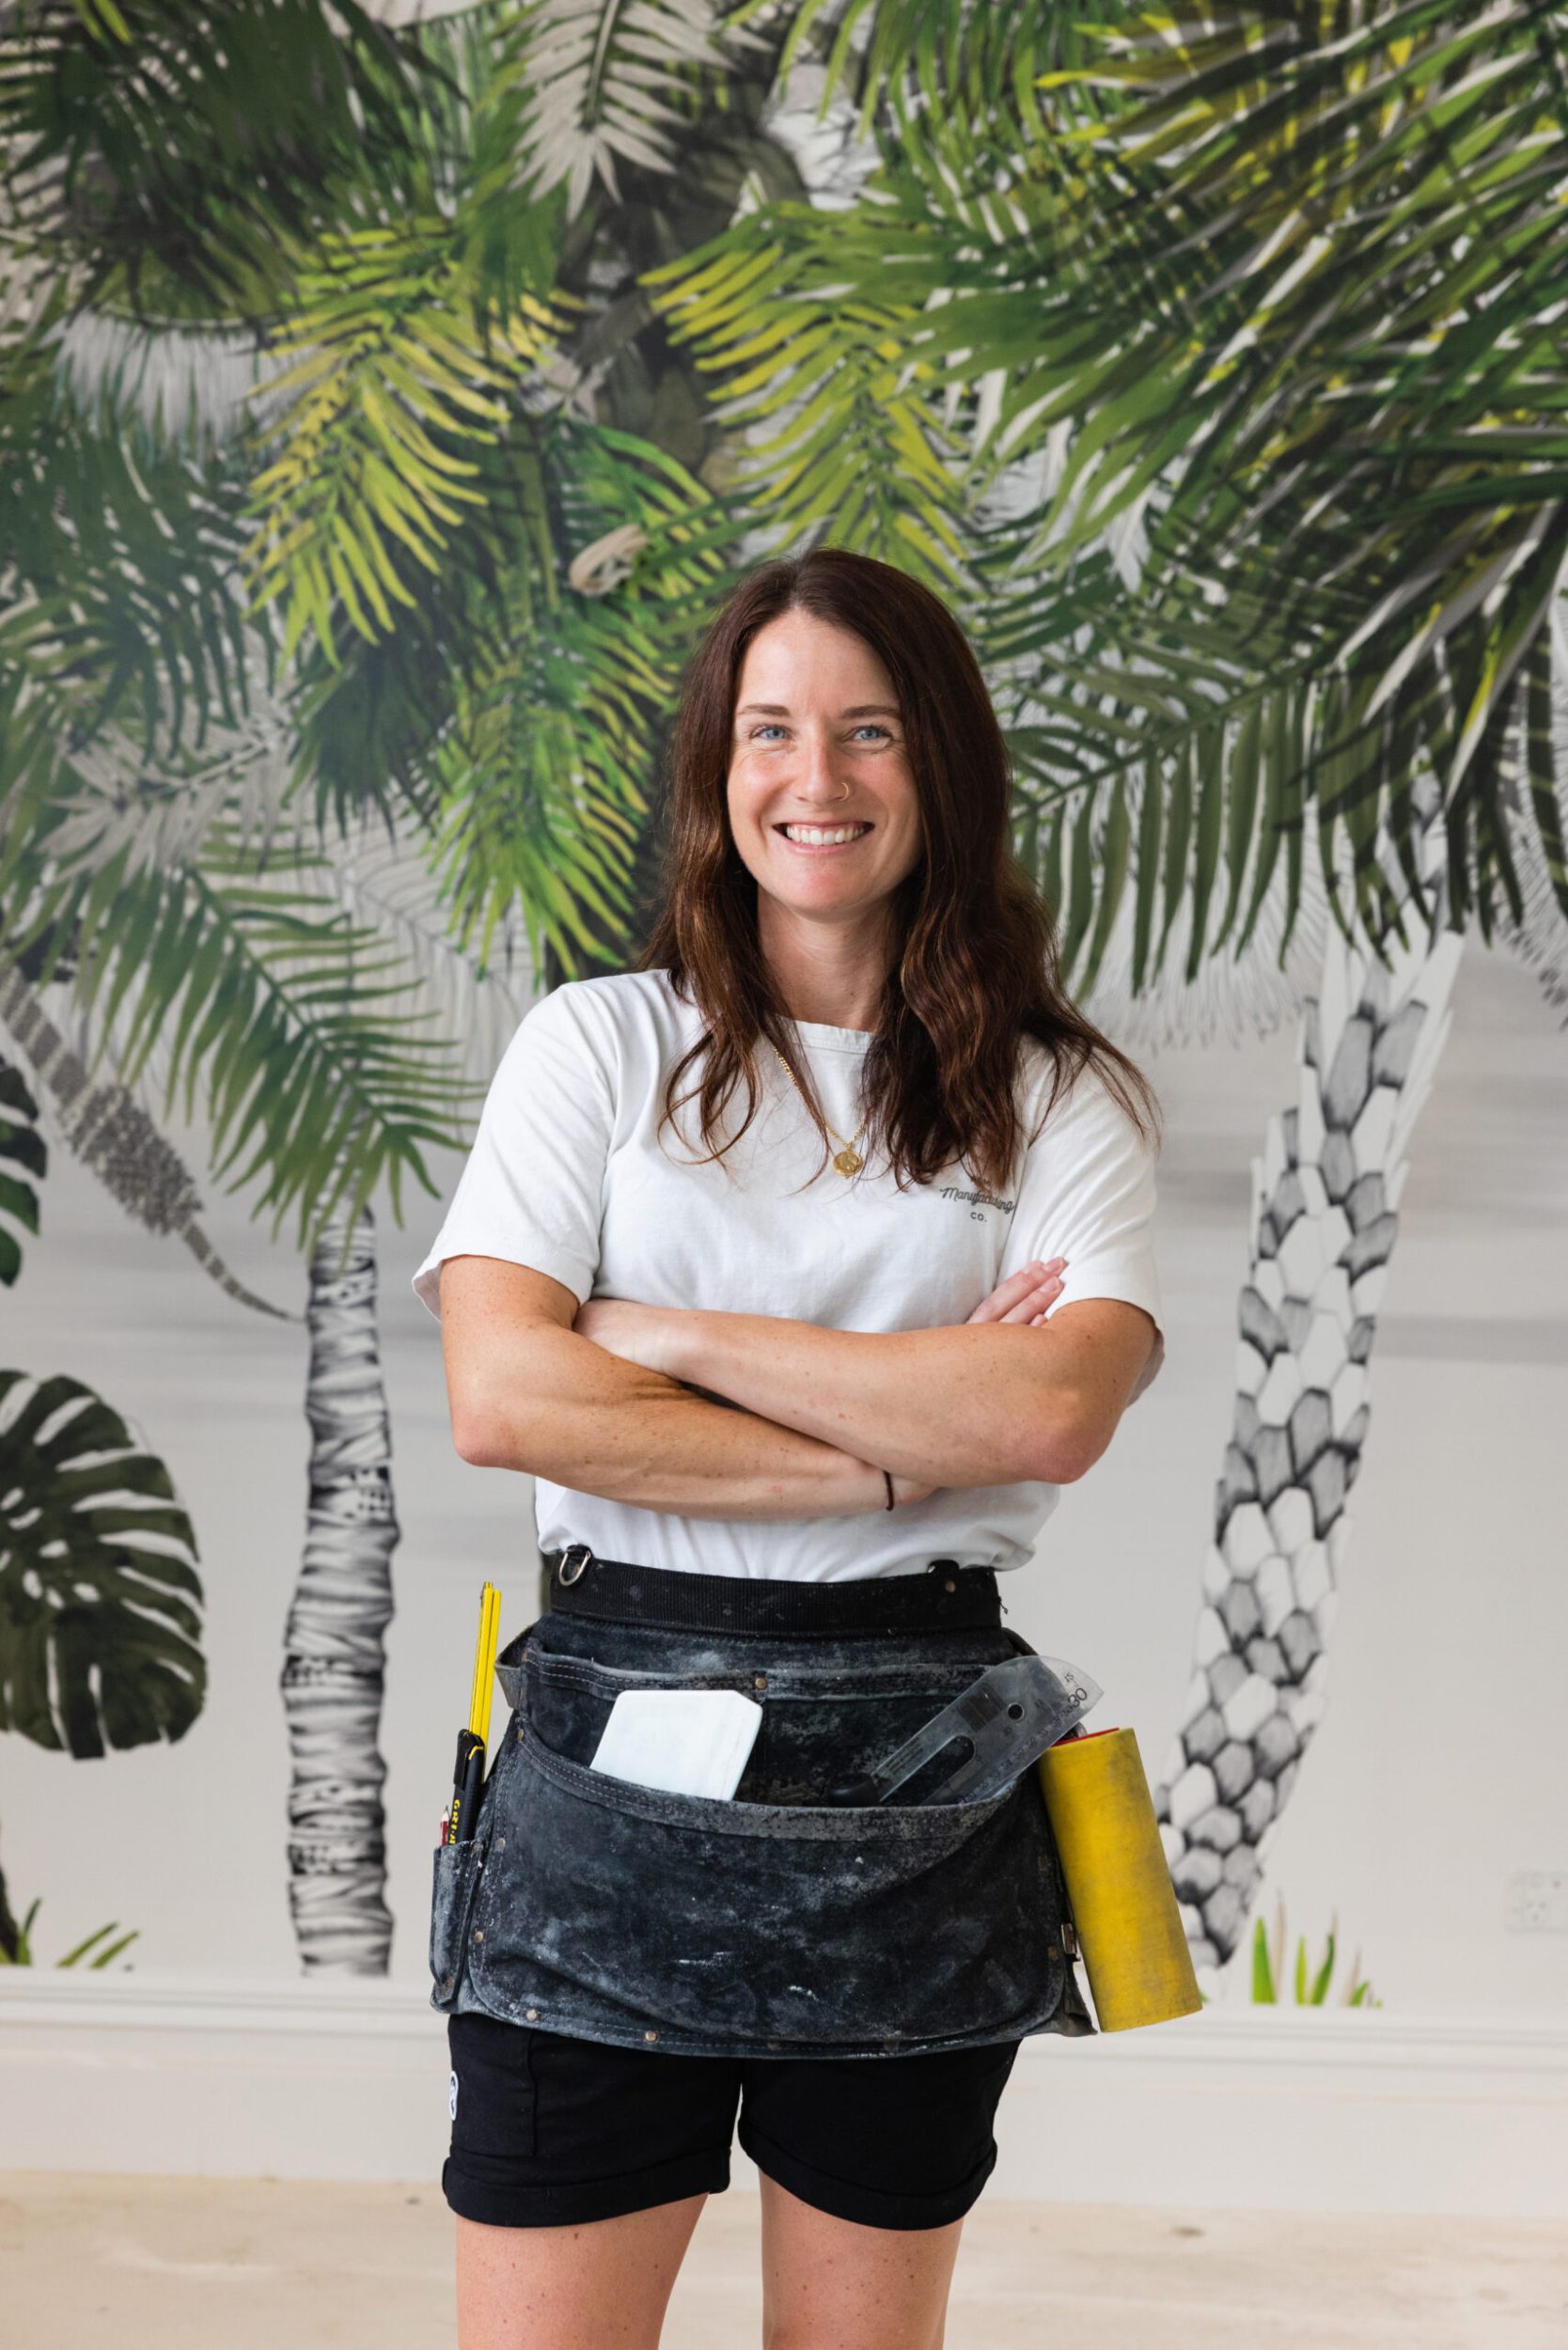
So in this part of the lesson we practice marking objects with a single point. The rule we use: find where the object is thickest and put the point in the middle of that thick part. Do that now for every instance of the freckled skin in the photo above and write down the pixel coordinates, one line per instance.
(599, 2287)
(827, 2284)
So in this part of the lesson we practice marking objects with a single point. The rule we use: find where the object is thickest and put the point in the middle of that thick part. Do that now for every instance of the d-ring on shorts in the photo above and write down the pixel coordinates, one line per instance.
(623, 1967)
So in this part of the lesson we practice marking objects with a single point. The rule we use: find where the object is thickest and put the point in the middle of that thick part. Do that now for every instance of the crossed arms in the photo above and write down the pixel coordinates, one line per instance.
(822, 1413)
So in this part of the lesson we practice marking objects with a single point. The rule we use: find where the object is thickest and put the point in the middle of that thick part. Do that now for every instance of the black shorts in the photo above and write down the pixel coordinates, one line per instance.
(550, 2132)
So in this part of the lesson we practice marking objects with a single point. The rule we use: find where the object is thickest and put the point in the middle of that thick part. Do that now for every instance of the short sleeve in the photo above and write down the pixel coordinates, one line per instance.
(1086, 1193)
(532, 1189)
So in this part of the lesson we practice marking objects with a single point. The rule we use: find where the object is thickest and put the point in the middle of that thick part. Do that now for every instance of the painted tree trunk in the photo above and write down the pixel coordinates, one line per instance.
(335, 1654)
(1325, 1215)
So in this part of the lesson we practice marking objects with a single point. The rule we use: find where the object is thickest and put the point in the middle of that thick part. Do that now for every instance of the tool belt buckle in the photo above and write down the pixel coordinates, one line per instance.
(575, 1562)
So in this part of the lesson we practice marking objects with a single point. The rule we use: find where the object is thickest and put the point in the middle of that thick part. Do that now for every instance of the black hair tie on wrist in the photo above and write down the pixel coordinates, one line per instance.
(888, 1479)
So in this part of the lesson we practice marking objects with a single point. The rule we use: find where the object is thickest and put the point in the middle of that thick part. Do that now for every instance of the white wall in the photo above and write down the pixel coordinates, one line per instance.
(1254, 2108)
(1441, 1767)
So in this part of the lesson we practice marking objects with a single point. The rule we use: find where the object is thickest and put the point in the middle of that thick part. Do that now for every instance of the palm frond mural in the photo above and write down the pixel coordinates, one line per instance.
(842, 418)
(306, 526)
(594, 81)
(392, 386)
(1244, 328)
(107, 1128)
(389, 391)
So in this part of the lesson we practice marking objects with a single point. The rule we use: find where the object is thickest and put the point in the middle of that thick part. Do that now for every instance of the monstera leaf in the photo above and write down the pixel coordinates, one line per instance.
(99, 1594)
(22, 1155)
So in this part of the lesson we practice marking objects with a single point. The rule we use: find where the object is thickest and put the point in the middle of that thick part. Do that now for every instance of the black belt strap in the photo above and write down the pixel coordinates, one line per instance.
(618, 1590)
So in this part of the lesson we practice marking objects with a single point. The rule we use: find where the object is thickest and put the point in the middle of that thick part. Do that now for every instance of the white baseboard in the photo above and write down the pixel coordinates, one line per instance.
(1274, 2108)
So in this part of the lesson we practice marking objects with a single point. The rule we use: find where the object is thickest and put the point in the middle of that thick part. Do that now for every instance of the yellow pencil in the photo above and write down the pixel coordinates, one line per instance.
(484, 1662)
(469, 1773)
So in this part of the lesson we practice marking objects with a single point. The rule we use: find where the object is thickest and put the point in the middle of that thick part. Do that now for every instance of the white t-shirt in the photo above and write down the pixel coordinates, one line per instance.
(566, 1176)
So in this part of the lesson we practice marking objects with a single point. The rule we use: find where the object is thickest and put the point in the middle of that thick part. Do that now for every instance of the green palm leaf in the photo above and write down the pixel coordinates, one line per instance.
(100, 1623)
(286, 1015)
(1343, 359)
(839, 423)
(948, 53)
(509, 699)
(550, 765)
(1200, 741)
(394, 383)
(1286, 301)
(124, 561)
(193, 141)
(24, 1162)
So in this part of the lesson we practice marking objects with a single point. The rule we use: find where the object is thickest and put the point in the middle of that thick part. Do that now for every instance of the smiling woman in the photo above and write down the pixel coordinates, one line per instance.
(832, 690)
(787, 1410)
(823, 809)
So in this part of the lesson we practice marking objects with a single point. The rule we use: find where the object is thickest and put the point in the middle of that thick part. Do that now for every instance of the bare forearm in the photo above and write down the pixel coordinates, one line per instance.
(571, 1413)
(966, 1403)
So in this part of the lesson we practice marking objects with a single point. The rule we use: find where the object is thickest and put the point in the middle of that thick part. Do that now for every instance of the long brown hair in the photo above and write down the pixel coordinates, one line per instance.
(975, 963)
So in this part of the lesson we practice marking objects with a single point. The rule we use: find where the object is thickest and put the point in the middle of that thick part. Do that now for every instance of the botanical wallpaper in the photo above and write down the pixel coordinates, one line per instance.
(389, 392)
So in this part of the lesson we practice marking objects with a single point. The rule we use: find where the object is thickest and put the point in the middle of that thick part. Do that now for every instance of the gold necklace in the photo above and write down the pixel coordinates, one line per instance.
(847, 1159)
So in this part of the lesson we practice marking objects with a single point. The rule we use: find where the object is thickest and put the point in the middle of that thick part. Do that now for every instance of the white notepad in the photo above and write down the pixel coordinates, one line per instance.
(689, 1742)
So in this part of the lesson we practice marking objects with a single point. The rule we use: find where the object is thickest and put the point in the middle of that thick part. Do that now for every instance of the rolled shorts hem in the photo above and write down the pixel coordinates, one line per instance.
(572, 2203)
(868, 2206)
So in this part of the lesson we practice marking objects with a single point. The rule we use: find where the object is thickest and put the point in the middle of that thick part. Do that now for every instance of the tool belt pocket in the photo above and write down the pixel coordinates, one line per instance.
(458, 1869)
(819, 1728)
(733, 1926)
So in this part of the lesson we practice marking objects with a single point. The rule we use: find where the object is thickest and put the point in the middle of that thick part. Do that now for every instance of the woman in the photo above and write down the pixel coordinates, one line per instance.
(787, 1373)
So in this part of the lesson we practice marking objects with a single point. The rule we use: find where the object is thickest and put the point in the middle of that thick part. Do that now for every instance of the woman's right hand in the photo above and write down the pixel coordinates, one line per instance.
(1025, 1296)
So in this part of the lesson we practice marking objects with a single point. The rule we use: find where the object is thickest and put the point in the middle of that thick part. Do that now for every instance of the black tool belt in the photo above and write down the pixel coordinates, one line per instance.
(616, 1591)
(782, 1921)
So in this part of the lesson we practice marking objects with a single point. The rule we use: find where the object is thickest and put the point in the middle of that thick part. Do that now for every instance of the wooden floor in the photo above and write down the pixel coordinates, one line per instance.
(196, 2265)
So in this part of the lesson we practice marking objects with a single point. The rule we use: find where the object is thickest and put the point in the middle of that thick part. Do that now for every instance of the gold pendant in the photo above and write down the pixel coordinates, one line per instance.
(849, 1161)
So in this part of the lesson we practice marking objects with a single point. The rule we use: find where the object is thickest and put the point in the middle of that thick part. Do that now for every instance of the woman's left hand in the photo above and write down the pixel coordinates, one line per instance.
(639, 1334)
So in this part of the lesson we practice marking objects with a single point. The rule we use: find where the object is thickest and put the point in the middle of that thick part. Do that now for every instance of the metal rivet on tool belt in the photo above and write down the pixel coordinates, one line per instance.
(949, 1585)
(651, 2035)
(500, 1844)
(479, 1933)
(533, 2015)
(760, 1682)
